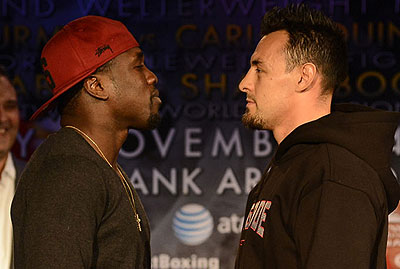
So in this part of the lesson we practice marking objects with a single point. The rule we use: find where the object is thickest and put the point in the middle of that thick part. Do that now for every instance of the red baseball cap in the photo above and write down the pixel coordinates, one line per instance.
(78, 49)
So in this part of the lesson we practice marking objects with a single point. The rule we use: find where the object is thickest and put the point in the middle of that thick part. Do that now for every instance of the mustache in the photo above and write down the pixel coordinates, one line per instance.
(155, 93)
(251, 98)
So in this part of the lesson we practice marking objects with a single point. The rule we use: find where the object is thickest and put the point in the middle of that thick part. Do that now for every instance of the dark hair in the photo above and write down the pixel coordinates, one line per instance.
(313, 37)
(4, 73)
(68, 97)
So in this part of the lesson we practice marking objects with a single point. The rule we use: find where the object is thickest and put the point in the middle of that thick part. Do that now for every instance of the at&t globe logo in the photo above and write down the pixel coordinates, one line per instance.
(193, 224)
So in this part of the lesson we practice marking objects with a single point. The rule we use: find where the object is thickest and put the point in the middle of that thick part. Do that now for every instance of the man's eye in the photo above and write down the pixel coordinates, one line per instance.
(11, 106)
(258, 70)
(139, 66)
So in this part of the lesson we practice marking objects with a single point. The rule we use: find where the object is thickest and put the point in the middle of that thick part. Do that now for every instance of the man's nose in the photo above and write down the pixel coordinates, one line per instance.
(3, 116)
(244, 84)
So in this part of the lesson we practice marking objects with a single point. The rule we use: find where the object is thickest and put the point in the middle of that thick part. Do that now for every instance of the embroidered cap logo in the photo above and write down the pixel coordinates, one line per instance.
(102, 49)
(47, 74)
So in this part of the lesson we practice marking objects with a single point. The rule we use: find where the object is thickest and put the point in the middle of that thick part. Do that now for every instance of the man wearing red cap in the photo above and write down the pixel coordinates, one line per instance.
(74, 206)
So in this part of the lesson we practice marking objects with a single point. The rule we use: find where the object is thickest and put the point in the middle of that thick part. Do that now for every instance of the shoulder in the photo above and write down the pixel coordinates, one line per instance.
(315, 165)
(59, 181)
(305, 161)
(68, 171)
(65, 158)
(330, 162)
(349, 169)
(66, 151)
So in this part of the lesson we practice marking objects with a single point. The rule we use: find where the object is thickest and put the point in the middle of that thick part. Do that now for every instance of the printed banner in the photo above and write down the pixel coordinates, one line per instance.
(194, 172)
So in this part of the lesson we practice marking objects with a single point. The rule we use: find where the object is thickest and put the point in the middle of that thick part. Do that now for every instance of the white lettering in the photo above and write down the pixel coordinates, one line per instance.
(187, 181)
(229, 181)
(262, 147)
(164, 147)
(170, 185)
(138, 182)
(252, 176)
(189, 141)
(164, 261)
(232, 224)
(140, 146)
(227, 147)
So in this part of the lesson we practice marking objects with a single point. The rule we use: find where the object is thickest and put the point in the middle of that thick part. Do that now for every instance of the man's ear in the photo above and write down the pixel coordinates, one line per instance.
(94, 88)
(308, 77)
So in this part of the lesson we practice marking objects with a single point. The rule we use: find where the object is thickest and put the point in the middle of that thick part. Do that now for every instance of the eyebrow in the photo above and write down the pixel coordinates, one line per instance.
(256, 62)
(11, 102)
(260, 63)
(139, 55)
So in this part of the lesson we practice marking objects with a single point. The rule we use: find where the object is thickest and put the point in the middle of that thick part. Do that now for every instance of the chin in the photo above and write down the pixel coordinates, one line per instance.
(153, 121)
(253, 121)
(4, 149)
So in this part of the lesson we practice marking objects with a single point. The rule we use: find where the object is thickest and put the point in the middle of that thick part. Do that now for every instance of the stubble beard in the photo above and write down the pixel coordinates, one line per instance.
(253, 121)
(154, 119)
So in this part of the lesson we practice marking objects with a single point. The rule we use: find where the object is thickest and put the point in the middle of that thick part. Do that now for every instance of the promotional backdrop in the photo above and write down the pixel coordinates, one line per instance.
(195, 171)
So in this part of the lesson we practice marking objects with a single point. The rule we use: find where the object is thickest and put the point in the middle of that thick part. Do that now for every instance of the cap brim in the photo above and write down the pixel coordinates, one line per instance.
(46, 106)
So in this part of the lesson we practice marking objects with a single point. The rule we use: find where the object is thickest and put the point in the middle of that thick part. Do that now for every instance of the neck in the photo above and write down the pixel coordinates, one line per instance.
(103, 139)
(3, 160)
(301, 116)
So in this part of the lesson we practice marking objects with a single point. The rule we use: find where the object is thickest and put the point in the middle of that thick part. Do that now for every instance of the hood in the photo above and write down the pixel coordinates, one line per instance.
(366, 132)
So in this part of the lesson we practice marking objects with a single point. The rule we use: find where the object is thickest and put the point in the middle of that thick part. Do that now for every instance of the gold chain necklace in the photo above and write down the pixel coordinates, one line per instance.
(127, 188)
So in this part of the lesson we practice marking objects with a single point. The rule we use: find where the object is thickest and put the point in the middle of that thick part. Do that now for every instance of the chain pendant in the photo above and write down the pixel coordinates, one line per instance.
(138, 220)
(125, 184)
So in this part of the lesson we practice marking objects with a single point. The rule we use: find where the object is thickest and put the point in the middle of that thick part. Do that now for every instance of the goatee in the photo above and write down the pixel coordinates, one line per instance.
(153, 121)
(252, 121)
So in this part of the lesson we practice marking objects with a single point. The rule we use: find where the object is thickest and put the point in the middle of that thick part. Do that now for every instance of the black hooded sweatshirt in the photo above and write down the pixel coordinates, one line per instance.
(324, 200)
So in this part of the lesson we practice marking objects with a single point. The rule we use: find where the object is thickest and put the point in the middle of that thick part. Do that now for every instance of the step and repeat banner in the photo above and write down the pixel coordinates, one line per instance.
(195, 171)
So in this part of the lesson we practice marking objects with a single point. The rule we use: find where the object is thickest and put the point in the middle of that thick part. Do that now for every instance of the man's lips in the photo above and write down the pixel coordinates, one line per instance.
(3, 130)
(250, 101)
(156, 95)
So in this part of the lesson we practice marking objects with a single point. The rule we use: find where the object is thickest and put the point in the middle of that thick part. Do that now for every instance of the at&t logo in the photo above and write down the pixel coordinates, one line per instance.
(193, 224)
